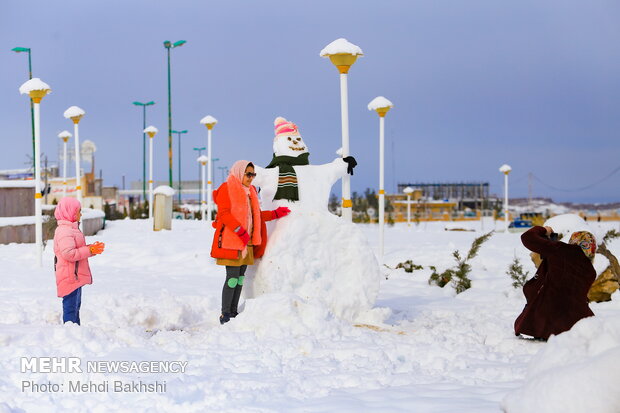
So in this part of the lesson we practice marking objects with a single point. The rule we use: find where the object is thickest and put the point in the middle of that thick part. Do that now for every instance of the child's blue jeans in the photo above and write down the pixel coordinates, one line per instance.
(71, 306)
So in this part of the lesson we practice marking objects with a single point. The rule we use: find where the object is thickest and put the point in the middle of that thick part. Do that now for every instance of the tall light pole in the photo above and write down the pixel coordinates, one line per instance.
(29, 51)
(212, 168)
(179, 133)
(65, 136)
(168, 45)
(37, 90)
(505, 169)
(224, 170)
(203, 160)
(151, 131)
(202, 148)
(209, 121)
(343, 54)
(144, 105)
(408, 192)
(75, 114)
(381, 105)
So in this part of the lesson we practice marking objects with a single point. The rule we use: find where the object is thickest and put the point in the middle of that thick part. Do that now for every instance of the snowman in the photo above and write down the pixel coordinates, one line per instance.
(311, 253)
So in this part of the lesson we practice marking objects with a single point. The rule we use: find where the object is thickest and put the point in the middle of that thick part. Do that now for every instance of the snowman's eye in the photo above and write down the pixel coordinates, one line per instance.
(289, 138)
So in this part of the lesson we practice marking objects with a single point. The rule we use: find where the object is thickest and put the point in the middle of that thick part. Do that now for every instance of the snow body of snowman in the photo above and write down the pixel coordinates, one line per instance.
(311, 252)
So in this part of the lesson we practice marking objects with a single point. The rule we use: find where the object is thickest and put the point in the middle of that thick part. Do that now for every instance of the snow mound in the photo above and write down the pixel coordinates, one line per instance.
(300, 259)
(575, 372)
(601, 263)
(286, 315)
(566, 224)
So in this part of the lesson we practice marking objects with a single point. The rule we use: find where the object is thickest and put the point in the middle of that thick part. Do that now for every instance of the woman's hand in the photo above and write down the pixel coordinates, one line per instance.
(243, 235)
(281, 212)
(96, 248)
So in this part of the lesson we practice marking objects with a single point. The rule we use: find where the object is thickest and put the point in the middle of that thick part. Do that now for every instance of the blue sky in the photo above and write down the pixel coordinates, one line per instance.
(475, 84)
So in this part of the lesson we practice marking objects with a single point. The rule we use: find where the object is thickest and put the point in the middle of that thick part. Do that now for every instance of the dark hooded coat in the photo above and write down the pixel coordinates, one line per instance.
(557, 297)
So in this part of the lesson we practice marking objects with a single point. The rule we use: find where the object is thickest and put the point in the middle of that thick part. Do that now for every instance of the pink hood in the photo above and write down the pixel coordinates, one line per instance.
(67, 209)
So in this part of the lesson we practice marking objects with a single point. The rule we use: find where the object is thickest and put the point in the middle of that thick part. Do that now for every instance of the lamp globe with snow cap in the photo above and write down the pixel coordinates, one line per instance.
(37, 90)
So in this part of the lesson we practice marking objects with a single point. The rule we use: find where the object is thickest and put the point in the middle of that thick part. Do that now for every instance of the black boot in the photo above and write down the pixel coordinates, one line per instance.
(235, 301)
(224, 318)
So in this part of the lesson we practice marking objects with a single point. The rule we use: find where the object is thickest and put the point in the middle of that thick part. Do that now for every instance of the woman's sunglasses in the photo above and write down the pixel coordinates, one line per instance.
(250, 174)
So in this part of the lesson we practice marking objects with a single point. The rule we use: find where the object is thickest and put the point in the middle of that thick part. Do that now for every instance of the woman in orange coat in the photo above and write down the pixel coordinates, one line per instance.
(240, 231)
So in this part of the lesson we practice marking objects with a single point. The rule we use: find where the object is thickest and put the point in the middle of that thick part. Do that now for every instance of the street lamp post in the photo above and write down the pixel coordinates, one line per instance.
(75, 114)
(505, 169)
(65, 136)
(209, 121)
(203, 160)
(179, 133)
(144, 105)
(224, 170)
(408, 192)
(29, 51)
(169, 45)
(343, 54)
(381, 105)
(37, 90)
(202, 148)
(151, 131)
(212, 168)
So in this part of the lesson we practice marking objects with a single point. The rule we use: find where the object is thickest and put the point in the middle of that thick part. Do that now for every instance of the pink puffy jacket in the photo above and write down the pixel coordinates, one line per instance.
(72, 270)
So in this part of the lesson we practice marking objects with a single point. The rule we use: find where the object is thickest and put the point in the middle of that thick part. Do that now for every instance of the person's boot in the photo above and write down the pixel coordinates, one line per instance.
(224, 318)
(235, 301)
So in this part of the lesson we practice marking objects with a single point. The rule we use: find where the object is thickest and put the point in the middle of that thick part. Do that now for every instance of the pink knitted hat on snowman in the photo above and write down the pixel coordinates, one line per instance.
(284, 128)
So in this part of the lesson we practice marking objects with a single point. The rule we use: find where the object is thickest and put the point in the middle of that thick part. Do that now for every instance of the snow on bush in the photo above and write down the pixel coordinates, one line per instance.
(575, 372)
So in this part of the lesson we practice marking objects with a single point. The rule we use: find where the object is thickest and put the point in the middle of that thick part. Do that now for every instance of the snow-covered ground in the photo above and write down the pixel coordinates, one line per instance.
(156, 296)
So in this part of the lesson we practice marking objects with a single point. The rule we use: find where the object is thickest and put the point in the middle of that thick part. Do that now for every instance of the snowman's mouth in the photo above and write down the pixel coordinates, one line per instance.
(303, 148)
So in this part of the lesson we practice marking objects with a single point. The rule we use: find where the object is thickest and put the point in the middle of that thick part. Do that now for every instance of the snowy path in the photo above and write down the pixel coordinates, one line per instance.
(156, 296)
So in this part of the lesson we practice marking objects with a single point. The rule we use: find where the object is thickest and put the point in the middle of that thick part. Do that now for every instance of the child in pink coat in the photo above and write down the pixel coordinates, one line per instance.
(71, 258)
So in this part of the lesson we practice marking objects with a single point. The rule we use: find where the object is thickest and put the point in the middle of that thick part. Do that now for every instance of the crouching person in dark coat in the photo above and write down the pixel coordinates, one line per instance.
(557, 296)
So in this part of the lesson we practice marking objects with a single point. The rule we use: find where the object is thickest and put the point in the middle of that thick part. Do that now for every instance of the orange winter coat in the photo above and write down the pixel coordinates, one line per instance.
(232, 212)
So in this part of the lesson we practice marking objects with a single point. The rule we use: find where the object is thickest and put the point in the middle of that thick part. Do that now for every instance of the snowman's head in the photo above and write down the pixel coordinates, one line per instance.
(288, 141)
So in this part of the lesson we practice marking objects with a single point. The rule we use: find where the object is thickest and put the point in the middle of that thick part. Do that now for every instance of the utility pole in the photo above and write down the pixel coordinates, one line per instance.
(529, 189)
(46, 174)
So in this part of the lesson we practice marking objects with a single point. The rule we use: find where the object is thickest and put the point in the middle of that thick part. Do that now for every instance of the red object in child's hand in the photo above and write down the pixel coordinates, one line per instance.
(243, 235)
(281, 212)
(96, 248)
